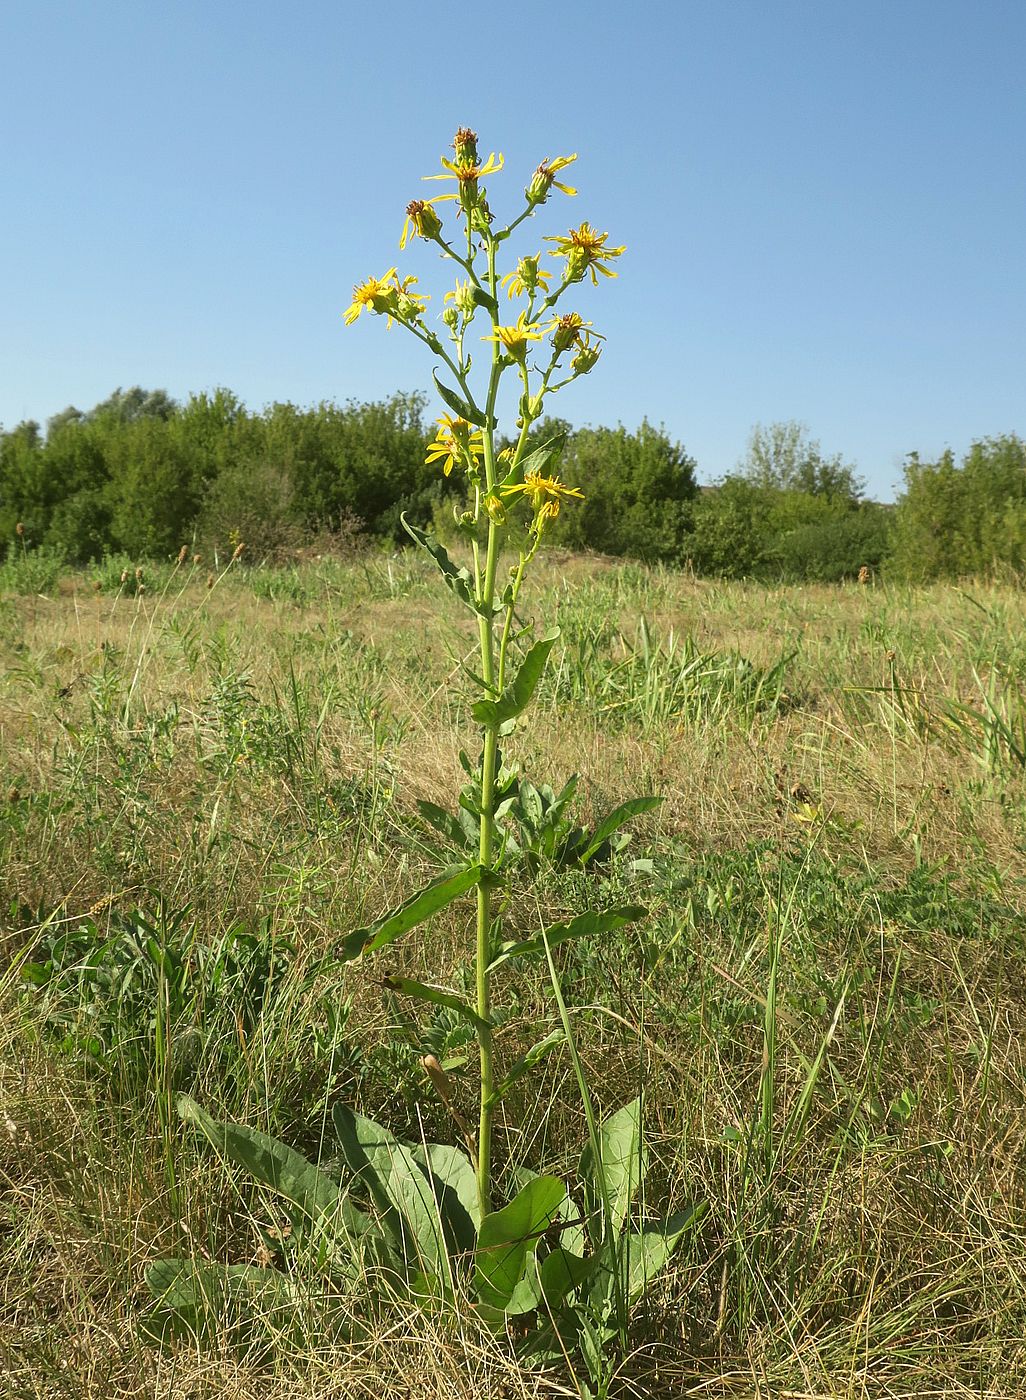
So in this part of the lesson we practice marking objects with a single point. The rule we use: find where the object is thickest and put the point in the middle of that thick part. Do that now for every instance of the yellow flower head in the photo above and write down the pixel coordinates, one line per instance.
(457, 443)
(421, 221)
(568, 331)
(585, 251)
(544, 178)
(378, 294)
(527, 277)
(516, 339)
(466, 170)
(545, 494)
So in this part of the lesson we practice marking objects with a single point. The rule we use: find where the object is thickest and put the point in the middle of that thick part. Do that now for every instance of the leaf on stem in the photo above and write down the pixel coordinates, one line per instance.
(460, 406)
(508, 1236)
(518, 695)
(614, 821)
(408, 915)
(437, 996)
(588, 923)
(458, 579)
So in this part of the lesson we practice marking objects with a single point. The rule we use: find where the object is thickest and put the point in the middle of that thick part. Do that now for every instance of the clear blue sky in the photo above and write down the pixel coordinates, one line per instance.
(824, 202)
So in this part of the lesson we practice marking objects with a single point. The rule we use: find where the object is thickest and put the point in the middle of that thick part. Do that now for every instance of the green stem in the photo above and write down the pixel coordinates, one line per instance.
(486, 601)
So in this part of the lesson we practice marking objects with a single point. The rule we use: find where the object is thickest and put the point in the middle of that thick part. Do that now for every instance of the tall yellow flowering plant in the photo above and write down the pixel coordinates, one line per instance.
(512, 495)
(420, 1218)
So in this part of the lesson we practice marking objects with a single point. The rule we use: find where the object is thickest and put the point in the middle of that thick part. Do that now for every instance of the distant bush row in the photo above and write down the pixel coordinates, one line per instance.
(141, 475)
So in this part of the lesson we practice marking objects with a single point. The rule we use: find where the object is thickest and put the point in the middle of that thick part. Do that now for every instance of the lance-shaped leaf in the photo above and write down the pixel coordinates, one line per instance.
(314, 1197)
(422, 991)
(409, 914)
(614, 821)
(508, 1236)
(527, 1062)
(540, 460)
(517, 696)
(459, 406)
(583, 925)
(457, 577)
(443, 822)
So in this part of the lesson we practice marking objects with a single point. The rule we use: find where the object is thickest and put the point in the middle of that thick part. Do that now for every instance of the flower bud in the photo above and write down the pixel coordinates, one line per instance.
(465, 145)
(567, 332)
(586, 358)
(495, 509)
(426, 223)
(451, 317)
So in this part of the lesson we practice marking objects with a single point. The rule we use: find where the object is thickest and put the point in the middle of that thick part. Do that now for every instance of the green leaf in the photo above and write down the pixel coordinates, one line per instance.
(409, 914)
(454, 1186)
(482, 298)
(516, 697)
(622, 1164)
(614, 821)
(398, 1187)
(563, 1272)
(186, 1283)
(315, 1196)
(459, 406)
(458, 579)
(508, 1236)
(540, 460)
(421, 991)
(649, 1251)
(583, 925)
(527, 1062)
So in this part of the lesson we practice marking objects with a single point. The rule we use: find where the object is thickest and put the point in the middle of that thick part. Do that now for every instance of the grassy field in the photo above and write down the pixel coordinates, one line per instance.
(207, 781)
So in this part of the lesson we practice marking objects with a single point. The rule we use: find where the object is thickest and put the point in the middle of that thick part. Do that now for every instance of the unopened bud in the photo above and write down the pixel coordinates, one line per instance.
(439, 1079)
(451, 317)
(567, 332)
(465, 145)
(586, 359)
(425, 221)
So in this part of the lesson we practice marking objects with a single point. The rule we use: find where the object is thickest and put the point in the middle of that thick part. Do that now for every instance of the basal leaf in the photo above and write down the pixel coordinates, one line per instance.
(615, 1178)
(649, 1250)
(614, 821)
(508, 1236)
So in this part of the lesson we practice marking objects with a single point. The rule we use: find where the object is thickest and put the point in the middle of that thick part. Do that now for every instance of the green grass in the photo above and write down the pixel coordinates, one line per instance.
(204, 789)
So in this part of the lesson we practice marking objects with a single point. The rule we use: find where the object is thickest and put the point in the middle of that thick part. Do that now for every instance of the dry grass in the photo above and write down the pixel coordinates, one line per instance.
(256, 752)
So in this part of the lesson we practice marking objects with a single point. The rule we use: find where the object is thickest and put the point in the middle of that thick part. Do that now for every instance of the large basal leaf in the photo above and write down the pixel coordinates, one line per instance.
(563, 1272)
(583, 925)
(314, 1195)
(409, 914)
(397, 1185)
(615, 1179)
(649, 1251)
(454, 1186)
(517, 696)
(194, 1299)
(508, 1236)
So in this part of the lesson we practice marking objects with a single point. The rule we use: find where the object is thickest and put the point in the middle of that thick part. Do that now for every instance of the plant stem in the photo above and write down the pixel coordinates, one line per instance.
(488, 767)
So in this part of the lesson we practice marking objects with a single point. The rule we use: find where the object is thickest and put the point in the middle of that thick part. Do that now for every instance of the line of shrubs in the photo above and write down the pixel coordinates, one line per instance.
(140, 475)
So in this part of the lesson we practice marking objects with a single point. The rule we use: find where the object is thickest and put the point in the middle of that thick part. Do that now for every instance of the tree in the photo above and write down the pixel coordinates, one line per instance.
(783, 457)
